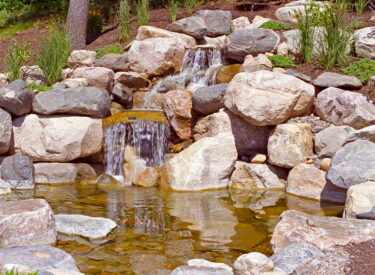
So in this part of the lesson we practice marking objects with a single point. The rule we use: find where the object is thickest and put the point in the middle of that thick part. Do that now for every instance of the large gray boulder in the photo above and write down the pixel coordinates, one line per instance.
(329, 79)
(18, 171)
(115, 62)
(367, 133)
(342, 107)
(293, 256)
(208, 100)
(353, 164)
(241, 43)
(16, 98)
(193, 26)
(268, 98)
(38, 258)
(218, 22)
(5, 131)
(331, 139)
(26, 222)
(89, 101)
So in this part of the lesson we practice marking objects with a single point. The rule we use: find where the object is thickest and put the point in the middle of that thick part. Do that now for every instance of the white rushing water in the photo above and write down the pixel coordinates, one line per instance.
(199, 70)
(148, 138)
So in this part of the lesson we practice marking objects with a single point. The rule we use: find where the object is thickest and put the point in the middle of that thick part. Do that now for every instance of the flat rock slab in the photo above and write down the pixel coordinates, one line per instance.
(26, 222)
(85, 226)
(38, 258)
(329, 79)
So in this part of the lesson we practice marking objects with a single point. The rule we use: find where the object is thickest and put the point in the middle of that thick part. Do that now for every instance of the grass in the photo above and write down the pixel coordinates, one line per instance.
(190, 5)
(115, 48)
(275, 25)
(16, 56)
(364, 69)
(54, 53)
(95, 24)
(281, 61)
(16, 28)
(15, 272)
(142, 8)
(124, 20)
(357, 24)
(173, 9)
(360, 5)
(41, 88)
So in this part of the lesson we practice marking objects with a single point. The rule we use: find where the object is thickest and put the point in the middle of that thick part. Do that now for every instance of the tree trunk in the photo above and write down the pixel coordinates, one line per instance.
(77, 22)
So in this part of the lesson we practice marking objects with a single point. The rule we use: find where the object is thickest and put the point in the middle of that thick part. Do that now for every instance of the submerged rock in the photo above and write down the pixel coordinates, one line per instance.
(252, 264)
(16, 98)
(201, 266)
(85, 226)
(26, 222)
(18, 171)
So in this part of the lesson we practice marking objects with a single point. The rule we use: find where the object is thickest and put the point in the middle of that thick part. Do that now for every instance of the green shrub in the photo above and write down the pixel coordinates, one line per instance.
(124, 20)
(42, 88)
(357, 24)
(281, 61)
(189, 5)
(363, 69)
(54, 53)
(115, 48)
(15, 57)
(173, 9)
(142, 9)
(95, 24)
(275, 25)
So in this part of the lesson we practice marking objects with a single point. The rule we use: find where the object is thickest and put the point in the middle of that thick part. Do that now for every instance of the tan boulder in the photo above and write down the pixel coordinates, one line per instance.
(290, 144)
(253, 64)
(226, 73)
(55, 173)
(81, 58)
(360, 199)
(57, 138)
(177, 105)
(96, 76)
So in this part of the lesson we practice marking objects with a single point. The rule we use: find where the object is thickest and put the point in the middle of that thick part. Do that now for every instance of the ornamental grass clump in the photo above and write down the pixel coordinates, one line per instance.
(189, 5)
(16, 56)
(360, 5)
(54, 53)
(124, 20)
(142, 8)
(173, 9)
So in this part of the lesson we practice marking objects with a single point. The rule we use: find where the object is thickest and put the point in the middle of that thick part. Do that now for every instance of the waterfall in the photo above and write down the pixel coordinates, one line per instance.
(148, 138)
(198, 70)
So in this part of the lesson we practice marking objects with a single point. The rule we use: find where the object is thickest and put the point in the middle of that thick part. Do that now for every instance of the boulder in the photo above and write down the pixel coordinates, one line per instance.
(305, 180)
(123, 95)
(33, 74)
(201, 167)
(367, 133)
(341, 107)
(193, 26)
(360, 199)
(214, 42)
(132, 80)
(353, 164)
(52, 173)
(293, 37)
(99, 77)
(157, 56)
(84, 226)
(323, 232)
(293, 256)
(177, 105)
(5, 131)
(89, 101)
(75, 82)
(39, 258)
(85, 172)
(82, 58)
(208, 100)
(288, 13)
(145, 32)
(241, 43)
(5, 188)
(268, 98)
(329, 79)
(113, 61)
(218, 22)
(18, 171)
(364, 42)
(331, 139)
(3, 80)
(258, 63)
(253, 263)
(59, 138)
(250, 139)
(254, 176)
(16, 98)
(26, 222)
(240, 23)
(220, 267)
(290, 144)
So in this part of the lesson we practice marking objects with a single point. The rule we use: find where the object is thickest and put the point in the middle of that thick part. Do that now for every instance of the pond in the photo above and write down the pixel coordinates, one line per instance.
(159, 230)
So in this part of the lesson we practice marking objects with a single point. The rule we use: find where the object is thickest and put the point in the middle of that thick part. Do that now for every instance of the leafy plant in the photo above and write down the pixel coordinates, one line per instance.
(15, 272)
(357, 24)
(364, 69)
(275, 25)
(281, 61)
(336, 36)
(95, 24)
(360, 5)
(114, 48)
(124, 20)
(54, 53)
(42, 88)
(189, 5)
(142, 9)
(173, 9)
(15, 57)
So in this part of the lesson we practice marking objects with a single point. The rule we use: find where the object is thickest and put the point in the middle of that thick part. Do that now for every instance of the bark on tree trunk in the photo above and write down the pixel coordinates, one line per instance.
(77, 22)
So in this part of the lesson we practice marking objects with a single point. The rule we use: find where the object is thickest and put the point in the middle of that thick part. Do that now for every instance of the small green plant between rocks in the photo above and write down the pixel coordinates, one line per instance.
(124, 20)
(364, 69)
(114, 48)
(17, 54)
(143, 8)
(33, 86)
(275, 25)
(173, 9)
(281, 61)
(15, 272)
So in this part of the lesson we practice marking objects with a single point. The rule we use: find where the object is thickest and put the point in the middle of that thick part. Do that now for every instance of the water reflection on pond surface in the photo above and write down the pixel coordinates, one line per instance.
(159, 230)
